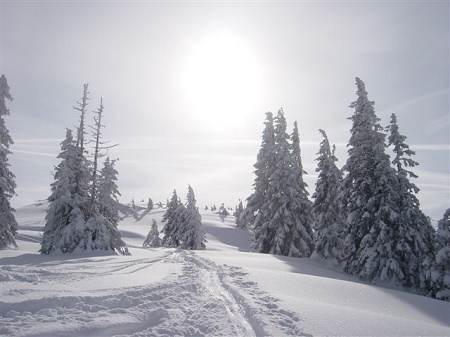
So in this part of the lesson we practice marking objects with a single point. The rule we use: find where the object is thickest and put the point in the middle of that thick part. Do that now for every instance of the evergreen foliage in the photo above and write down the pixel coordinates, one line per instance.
(283, 225)
(238, 210)
(262, 171)
(440, 275)
(371, 196)
(8, 223)
(414, 244)
(173, 217)
(192, 235)
(329, 216)
(64, 208)
(106, 208)
(108, 192)
(80, 217)
(152, 239)
(150, 204)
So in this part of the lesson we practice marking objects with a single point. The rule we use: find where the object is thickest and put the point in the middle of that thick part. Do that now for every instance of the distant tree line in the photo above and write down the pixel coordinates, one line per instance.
(365, 216)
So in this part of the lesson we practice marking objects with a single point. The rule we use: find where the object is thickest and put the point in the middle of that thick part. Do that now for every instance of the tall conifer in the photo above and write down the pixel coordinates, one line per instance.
(283, 224)
(371, 196)
(262, 171)
(329, 218)
(8, 223)
(414, 244)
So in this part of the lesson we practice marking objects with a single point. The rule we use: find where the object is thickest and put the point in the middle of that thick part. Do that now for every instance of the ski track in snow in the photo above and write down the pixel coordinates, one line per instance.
(204, 300)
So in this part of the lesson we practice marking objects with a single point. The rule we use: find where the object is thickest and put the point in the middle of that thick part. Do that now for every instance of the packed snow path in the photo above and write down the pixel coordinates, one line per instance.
(195, 298)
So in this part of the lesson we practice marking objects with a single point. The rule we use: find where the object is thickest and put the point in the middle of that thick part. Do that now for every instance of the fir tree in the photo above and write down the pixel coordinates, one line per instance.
(152, 239)
(192, 235)
(108, 192)
(305, 211)
(172, 218)
(262, 171)
(440, 276)
(285, 229)
(150, 204)
(414, 244)
(64, 213)
(8, 223)
(329, 219)
(103, 223)
(371, 198)
(238, 210)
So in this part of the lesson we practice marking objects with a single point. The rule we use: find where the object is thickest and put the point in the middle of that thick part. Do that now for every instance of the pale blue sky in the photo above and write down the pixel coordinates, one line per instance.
(145, 58)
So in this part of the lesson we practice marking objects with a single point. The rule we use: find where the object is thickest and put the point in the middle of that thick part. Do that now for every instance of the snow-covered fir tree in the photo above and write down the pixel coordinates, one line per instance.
(64, 220)
(173, 217)
(150, 204)
(285, 227)
(371, 197)
(440, 271)
(77, 219)
(329, 217)
(305, 211)
(104, 218)
(414, 245)
(152, 239)
(108, 191)
(8, 223)
(102, 234)
(238, 210)
(262, 171)
(192, 235)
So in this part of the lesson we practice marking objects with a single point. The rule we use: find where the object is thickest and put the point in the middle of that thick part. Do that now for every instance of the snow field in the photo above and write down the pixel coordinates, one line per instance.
(222, 291)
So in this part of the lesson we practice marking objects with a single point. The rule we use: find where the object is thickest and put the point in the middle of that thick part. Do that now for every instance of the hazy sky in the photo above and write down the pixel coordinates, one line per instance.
(186, 86)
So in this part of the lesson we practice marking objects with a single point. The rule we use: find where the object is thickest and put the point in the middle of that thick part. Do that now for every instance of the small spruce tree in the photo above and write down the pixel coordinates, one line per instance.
(172, 218)
(105, 214)
(152, 239)
(192, 235)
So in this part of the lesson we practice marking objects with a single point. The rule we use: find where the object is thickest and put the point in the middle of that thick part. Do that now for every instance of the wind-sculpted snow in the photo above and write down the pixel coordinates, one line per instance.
(203, 299)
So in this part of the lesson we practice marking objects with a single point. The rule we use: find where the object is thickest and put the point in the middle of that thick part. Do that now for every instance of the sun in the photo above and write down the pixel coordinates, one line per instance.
(221, 80)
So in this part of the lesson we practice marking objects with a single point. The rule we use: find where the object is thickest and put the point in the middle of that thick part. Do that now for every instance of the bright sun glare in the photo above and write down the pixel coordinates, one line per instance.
(221, 80)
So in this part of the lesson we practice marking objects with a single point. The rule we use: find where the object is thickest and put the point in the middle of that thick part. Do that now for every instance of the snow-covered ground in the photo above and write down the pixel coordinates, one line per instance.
(222, 291)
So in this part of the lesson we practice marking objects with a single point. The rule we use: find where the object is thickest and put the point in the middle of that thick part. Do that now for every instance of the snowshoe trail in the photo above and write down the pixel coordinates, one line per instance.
(204, 299)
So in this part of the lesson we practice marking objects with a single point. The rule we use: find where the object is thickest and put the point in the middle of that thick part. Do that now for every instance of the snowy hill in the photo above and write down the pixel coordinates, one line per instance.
(222, 291)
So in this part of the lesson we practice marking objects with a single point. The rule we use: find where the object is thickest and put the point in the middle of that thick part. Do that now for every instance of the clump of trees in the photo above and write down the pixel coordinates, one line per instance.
(8, 223)
(83, 210)
(183, 223)
(365, 217)
(279, 209)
